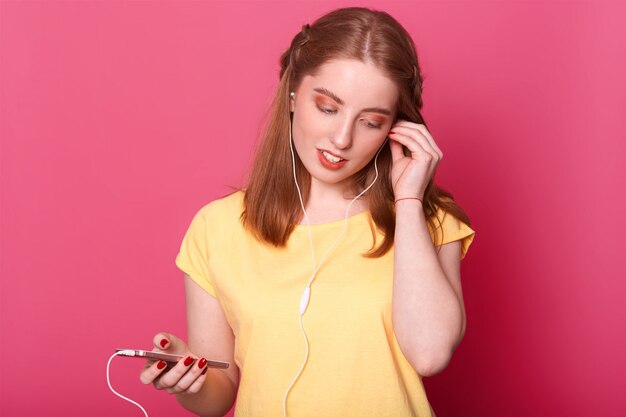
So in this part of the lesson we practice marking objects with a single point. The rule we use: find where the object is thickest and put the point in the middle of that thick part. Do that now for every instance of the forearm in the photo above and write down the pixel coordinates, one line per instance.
(427, 315)
(215, 398)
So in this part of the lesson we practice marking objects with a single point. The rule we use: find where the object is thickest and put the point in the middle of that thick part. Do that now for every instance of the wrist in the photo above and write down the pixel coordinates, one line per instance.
(408, 200)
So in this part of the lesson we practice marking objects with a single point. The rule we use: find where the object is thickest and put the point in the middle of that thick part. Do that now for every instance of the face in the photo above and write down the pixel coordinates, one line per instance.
(342, 116)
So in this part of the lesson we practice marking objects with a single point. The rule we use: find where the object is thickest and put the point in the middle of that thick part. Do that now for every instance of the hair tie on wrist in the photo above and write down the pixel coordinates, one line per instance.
(409, 198)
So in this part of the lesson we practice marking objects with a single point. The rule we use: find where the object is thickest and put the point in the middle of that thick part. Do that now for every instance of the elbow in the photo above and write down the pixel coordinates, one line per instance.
(433, 366)
(437, 363)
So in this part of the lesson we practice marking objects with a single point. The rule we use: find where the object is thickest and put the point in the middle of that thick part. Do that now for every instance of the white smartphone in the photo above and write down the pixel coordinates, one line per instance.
(138, 353)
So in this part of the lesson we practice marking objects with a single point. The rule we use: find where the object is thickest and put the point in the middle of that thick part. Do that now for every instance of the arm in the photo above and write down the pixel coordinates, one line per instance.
(210, 336)
(427, 310)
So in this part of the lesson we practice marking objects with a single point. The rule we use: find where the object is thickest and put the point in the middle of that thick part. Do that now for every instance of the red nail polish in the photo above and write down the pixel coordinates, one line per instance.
(188, 360)
(163, 343)
(205, 369)
(161, 364)
(201, 363)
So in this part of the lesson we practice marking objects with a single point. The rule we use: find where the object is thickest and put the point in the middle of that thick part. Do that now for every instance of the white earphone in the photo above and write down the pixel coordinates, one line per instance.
(306, 295)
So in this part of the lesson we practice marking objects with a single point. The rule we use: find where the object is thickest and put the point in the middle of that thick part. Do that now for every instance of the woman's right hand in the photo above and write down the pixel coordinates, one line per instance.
(186, 377)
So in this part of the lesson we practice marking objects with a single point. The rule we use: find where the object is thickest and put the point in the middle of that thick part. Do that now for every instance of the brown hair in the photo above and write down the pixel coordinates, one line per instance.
(271, 203)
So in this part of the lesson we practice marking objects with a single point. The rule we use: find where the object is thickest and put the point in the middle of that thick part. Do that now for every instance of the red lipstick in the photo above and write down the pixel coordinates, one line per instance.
(328, 164)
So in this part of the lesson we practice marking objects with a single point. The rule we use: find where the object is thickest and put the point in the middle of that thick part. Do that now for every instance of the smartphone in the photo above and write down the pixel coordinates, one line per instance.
(172, 359)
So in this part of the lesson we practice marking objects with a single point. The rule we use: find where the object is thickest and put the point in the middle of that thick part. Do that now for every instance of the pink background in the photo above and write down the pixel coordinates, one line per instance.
(121, 119)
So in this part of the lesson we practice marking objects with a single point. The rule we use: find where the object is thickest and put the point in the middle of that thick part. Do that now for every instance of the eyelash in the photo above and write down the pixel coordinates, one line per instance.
(328, 111)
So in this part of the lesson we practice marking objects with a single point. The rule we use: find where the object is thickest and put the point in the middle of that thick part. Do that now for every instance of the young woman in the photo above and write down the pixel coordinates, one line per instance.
(332, 280)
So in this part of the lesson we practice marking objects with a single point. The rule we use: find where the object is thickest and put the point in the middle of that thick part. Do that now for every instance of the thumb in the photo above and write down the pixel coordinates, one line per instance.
(169, 343)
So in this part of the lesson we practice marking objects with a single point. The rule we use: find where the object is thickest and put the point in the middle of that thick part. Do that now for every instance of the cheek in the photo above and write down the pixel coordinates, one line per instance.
(375, 143)
(310, 129)
(302, 137)
(372, 148)
(304, 123)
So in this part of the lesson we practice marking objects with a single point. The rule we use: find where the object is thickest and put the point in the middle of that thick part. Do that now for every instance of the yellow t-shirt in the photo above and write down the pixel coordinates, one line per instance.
(355, 366)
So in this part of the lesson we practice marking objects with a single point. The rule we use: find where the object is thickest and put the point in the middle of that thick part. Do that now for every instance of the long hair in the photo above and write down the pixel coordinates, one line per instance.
(271, 203)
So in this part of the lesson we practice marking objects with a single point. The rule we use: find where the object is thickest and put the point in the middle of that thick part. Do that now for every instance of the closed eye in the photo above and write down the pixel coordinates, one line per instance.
(327, 111)
(373, 126)
(331, 111)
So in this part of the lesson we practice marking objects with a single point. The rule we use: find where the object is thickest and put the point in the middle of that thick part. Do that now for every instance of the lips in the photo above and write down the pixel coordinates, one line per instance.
(333, 157)
(328, 164)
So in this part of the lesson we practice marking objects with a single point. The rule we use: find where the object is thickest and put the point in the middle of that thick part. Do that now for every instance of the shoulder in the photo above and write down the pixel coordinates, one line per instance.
(220, 215)
(448, 228)
(227, 205)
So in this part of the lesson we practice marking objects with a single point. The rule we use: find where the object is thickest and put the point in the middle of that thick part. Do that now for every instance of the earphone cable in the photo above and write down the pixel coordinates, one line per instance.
(117, 393)
(306, 295)
(293, 164)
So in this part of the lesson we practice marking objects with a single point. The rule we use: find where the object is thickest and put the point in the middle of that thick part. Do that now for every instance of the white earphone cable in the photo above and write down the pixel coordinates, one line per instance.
(293, 164)
(126, 353)
(304, 301)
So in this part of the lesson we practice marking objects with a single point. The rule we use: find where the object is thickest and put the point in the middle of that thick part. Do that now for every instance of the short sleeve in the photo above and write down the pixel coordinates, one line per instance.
(193, 257)
(452, 229)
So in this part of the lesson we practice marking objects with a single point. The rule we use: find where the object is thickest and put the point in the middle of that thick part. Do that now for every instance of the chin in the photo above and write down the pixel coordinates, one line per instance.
(331, 179)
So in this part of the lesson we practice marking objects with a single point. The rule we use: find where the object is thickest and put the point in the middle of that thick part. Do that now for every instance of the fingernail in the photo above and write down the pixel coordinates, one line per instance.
(163, 342)
(201, 363)
(205, 369)
(391, 131)
(161, 364)
(188, 360)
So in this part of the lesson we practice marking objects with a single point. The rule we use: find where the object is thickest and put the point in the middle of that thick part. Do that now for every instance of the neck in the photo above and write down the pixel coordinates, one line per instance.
(334, 198)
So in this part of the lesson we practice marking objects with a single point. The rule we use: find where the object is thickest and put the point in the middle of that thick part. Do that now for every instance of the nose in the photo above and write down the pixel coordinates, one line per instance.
(342, 138)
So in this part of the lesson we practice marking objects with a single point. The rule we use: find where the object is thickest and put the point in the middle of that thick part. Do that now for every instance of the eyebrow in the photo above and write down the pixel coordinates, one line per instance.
(332, 95)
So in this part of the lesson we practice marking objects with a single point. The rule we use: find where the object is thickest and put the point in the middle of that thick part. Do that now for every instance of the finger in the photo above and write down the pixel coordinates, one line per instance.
(190, 377)
(148, 363)
(426, 134)
(171, 377)
(195, 387)
(430, 139)
(166, 342)
(161, 341)
(149, 374)
(416, 136)
(412, 145)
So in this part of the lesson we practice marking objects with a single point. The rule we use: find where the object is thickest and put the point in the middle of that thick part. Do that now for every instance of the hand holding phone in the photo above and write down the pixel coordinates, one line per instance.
(172, 367)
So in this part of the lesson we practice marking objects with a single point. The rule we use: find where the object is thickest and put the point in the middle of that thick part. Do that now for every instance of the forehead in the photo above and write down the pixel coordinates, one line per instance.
(355, 82)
